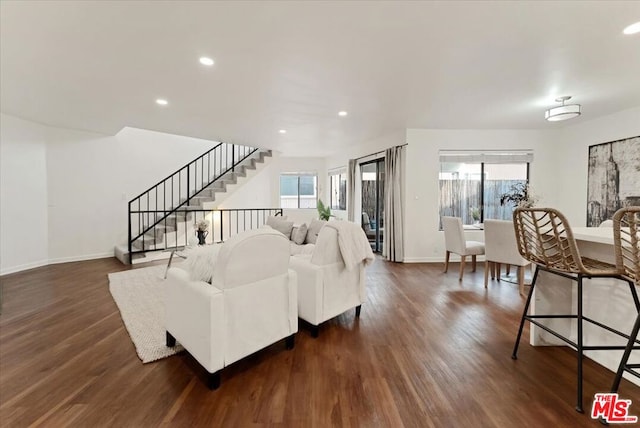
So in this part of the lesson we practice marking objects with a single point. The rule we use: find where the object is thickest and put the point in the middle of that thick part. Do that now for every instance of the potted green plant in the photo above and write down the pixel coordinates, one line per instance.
(324, 212)
(475, 214)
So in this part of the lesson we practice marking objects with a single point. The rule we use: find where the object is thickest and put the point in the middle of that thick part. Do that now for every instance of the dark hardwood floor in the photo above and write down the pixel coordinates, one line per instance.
(428, 351)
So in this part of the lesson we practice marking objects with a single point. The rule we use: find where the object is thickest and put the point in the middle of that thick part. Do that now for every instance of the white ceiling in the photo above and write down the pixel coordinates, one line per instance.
(100, 66)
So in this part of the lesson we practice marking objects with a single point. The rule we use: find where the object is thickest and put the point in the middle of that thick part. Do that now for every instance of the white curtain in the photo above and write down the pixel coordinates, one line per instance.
(393, 241)
(351, 189)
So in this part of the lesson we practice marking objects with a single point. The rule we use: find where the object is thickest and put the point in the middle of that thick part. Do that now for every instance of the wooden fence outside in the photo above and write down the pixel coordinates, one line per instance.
(459, 197)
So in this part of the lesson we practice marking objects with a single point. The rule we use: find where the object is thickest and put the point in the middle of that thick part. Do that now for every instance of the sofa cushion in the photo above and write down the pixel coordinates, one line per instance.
(314, 229)
(200, 262)
(272, 218)
(299, 233)
(281, 225)
(301, 249)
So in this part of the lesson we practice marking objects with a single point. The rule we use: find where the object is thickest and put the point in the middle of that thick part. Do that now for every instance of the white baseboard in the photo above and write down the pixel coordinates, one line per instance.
(423, 260)
(439, 259)
(80, 258)
(26, 266)
(33, 265)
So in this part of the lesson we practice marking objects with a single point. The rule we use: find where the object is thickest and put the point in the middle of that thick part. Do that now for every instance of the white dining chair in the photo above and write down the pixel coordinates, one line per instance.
(501, 248)
(456, 243)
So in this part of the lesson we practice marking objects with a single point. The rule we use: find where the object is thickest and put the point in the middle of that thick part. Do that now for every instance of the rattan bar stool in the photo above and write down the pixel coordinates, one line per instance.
(626, 235)
(545, 238)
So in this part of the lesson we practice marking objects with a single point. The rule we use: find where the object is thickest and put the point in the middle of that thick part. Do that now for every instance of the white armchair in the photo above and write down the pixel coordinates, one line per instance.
(501, 248)
(250, 304)
(326, 286)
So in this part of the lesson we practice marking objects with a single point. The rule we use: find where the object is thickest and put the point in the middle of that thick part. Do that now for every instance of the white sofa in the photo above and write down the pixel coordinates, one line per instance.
(250, 304)
(302, 236)
(330, 282)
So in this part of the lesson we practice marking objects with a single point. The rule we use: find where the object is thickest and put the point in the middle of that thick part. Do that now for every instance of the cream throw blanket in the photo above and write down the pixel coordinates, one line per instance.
(353, 243)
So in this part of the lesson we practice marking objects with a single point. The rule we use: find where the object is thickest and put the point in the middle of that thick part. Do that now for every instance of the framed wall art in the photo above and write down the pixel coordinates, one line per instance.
(613, 179)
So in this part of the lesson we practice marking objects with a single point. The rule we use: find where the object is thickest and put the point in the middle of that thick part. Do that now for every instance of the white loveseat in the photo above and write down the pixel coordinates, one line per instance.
(302, 236)
(250, 304)
(331, 280)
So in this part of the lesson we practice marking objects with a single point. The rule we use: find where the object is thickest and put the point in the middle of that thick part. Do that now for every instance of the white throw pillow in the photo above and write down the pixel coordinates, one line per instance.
(282, 226)
(314, 229)
(295, 250)
(299, 234)
(201, 261)
(274, 219)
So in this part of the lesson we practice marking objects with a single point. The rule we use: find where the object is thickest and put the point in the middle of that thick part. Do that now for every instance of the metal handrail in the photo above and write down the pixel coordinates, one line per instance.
(177, 190)
(221, 224)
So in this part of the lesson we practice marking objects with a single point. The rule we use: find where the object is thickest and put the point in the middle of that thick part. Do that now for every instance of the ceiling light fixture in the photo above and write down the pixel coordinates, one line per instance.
(162, 102)
(206, 61)
(563, 112)
(283, 131)
(342, 113)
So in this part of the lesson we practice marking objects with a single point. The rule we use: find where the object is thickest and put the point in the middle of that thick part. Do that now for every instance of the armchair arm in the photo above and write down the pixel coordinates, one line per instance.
(325, 291)
(194, 316)
(309, 289)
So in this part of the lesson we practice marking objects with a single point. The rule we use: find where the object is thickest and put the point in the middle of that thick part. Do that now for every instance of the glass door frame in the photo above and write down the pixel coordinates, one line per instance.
(380, 165)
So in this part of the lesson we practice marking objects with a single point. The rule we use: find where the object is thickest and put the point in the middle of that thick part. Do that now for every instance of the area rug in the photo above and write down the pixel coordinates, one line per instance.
(139, 296)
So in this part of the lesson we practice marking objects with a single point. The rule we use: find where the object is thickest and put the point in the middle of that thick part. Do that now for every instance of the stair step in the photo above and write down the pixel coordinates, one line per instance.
(217, 186)
(149, 243)
(202, 199)
(240, 171)
(121, 252)
(183, 216)
(162, 229)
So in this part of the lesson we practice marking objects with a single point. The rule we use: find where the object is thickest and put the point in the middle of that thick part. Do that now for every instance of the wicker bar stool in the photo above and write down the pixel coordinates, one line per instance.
(626, 235)
(545, 238)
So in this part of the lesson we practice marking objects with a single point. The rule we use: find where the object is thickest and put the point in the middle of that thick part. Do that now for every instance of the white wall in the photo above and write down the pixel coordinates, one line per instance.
(423, 240)
(92, 177)
(83, 190)
(558, 172)
(374, 146)
(64, 192)
(23, 195)
(75, 186)
(263, 190)
(574, 146)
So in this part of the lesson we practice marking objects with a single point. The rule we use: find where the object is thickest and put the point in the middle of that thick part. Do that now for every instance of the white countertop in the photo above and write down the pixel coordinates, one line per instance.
(606, 300)
(601, 235)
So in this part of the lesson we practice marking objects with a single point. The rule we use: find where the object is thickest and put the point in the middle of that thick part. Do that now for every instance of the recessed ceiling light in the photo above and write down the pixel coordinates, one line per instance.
(283, 131)
(162, 102)
(206, 61)
(632, 29)
(342, 113)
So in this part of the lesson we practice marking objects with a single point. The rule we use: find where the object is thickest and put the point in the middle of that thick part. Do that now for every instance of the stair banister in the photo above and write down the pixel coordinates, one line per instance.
(220, 153)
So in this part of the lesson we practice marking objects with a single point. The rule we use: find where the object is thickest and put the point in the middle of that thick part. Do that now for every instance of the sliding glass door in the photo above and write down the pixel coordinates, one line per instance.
(372, 176)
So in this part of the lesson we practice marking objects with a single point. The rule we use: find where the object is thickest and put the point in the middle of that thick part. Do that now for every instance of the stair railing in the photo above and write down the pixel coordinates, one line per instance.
(150, 209)
(221, 224)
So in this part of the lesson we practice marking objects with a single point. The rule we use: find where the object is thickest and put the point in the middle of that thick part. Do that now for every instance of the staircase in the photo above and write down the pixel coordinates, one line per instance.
(163, 217)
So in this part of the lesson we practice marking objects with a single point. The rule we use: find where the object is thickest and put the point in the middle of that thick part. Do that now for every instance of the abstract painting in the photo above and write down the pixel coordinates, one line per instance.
(613, 179)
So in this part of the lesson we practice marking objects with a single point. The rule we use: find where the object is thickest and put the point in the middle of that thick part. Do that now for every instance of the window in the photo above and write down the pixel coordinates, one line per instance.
(338, 189)
(471, 183)
(298, 190)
